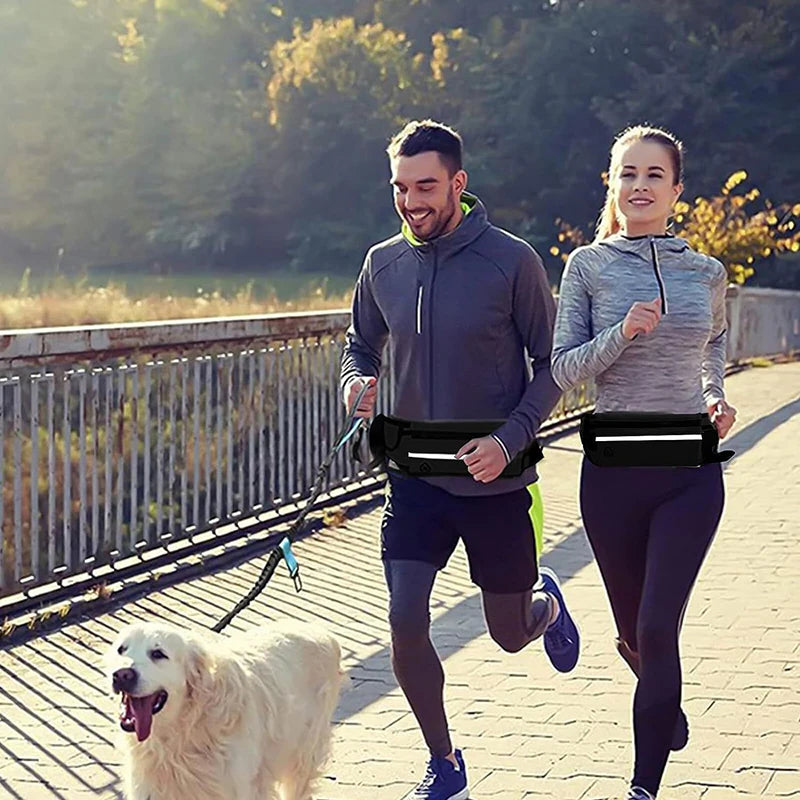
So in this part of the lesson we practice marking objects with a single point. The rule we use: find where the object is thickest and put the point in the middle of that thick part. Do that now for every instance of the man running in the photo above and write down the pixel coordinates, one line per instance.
(466, 310)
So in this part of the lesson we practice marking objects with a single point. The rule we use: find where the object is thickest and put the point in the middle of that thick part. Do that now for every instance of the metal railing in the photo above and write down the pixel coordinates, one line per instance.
(119, 440)
(762, 322)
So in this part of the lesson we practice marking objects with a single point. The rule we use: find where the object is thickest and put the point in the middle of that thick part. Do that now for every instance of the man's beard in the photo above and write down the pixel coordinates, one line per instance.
(445, 218)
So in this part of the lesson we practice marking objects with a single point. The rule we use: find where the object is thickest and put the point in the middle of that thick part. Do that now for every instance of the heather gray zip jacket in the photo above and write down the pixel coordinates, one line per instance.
(458, 314)
(680, 366)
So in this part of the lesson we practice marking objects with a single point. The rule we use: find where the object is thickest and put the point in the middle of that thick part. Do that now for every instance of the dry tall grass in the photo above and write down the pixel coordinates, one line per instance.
(70, 304)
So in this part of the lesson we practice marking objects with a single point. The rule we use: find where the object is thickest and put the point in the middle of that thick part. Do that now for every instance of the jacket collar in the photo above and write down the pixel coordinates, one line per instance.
(473, 224)
(640, 245)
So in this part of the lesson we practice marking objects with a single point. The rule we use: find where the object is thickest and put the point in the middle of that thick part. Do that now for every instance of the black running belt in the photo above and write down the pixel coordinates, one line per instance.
(650, 439)
(429, 448)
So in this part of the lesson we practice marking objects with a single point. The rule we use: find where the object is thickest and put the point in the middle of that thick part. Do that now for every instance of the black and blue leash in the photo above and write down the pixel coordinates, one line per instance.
(284, 549)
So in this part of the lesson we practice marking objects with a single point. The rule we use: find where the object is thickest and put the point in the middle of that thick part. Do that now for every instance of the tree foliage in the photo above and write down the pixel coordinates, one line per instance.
(736, 226)
(729, 228)
(242, 132)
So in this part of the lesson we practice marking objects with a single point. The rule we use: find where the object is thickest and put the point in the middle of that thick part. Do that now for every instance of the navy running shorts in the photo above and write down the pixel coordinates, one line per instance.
(422, 522)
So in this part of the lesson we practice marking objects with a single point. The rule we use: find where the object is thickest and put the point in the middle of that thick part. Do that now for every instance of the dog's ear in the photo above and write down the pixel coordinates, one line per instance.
(199, 670)
(229, 690)
(216, 683)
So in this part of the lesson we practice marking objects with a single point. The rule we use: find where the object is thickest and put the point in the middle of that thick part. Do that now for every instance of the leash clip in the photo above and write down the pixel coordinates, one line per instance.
(291, 563)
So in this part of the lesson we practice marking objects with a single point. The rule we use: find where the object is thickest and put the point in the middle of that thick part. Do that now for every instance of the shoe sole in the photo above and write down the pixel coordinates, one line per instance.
(462, 795)
(563, 607)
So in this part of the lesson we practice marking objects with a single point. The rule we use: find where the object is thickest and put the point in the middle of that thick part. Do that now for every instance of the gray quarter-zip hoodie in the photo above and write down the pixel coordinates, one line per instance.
(459, 314)
(680, 366)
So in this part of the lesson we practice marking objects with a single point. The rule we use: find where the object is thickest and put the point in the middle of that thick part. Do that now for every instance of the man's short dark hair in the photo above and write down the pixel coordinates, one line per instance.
(429, 136)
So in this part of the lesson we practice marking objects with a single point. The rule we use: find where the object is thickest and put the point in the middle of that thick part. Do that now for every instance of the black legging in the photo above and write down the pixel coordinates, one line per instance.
(514, 620)
(650, 529)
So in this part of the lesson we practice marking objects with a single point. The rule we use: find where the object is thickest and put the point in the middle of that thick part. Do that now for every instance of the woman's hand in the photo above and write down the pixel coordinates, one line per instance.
(641, 318)
(723, 415)
(484, 457)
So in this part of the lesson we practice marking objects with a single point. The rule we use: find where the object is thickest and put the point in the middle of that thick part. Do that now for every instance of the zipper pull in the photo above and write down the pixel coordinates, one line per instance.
(659, 278)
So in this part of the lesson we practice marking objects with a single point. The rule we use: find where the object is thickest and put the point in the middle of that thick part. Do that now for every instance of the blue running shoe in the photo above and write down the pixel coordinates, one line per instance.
(562, 642)
(442, 781)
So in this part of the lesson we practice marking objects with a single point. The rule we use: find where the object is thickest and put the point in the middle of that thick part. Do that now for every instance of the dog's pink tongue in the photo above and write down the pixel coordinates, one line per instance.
(142, 708)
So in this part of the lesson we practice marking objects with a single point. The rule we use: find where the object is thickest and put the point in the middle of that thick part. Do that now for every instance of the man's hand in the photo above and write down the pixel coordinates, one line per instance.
(484, 457)
(723, 416)
(367, 404)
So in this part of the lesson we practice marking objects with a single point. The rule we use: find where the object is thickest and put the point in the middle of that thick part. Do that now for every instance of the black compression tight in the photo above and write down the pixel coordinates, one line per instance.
(650, 529)
(513, 620)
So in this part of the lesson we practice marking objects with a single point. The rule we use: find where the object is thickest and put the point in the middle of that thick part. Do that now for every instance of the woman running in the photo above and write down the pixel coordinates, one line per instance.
(644, 315)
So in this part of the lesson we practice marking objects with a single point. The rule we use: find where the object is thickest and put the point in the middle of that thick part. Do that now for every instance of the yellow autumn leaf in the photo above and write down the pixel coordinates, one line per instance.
(334, 517)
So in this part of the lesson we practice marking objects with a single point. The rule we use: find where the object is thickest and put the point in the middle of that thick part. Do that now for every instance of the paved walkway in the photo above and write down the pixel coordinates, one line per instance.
(527, 732)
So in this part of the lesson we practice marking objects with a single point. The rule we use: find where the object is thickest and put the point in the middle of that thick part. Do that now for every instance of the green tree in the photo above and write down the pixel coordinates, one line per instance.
(62, 75)
(233, 131)
(338, 92)
(184, 141)
(725, 81)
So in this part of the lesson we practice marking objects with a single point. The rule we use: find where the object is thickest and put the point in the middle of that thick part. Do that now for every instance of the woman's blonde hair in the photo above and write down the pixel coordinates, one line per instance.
(609, 223)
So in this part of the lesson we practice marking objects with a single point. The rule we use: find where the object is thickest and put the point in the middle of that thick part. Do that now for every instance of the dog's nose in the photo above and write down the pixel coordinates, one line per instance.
(124, 680)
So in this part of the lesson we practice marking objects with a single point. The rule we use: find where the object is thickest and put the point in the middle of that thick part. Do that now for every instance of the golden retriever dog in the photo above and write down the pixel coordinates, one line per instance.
(206, 716)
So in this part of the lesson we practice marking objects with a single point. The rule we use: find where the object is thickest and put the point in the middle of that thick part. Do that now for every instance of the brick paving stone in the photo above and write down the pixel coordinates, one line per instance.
(528, 732)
